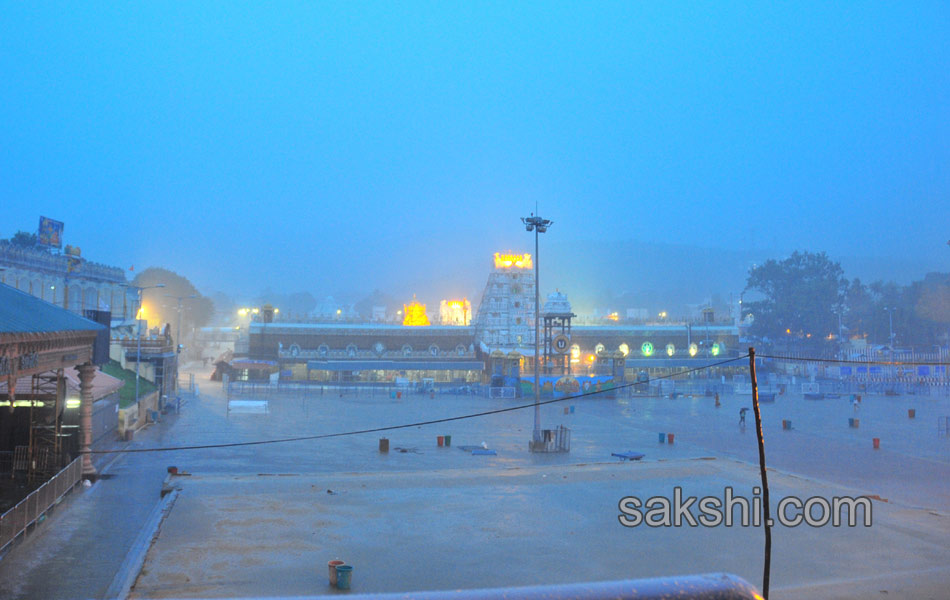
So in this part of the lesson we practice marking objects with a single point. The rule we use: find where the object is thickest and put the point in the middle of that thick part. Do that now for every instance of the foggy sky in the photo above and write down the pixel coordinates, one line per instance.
(319, 147)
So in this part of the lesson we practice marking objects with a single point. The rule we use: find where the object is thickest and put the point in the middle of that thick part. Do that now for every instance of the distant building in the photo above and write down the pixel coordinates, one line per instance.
(497, 347)
(505, 318)
(455, 312)
(637, 314)
(67, 280)
(414, 314)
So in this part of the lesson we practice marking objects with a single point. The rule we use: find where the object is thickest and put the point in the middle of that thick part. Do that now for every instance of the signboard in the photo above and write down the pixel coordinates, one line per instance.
(561, 344)
(50, 233)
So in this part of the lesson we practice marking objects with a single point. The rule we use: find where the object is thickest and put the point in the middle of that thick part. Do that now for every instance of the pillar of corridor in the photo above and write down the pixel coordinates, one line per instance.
(87, 372)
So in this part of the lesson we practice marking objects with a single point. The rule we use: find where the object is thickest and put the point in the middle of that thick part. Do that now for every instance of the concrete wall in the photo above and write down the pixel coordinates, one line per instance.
(135, 416)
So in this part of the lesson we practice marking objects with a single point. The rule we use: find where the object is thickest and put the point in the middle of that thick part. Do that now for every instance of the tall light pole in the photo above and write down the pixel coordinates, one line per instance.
(890, 325)
(538, 226)
(178, 333)
(138, 338)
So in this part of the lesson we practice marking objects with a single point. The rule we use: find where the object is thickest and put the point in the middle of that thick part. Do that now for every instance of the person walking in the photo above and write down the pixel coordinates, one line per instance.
(742, 412)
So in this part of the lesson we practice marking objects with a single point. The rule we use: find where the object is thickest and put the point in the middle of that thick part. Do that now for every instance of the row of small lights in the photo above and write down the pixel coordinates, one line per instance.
(647, 349)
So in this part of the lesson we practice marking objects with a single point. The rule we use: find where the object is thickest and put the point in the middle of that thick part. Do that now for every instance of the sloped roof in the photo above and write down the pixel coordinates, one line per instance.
(103, 384)
(22, 313)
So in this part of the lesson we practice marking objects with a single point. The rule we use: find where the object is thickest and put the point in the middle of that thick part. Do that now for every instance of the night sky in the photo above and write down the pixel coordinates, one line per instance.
(336, 148)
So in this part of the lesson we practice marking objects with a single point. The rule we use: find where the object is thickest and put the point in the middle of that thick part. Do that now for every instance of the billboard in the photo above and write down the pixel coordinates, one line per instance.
(51, 233)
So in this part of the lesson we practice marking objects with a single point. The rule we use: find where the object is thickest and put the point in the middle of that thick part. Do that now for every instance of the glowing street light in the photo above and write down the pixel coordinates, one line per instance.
(538, 226)
(138, 341)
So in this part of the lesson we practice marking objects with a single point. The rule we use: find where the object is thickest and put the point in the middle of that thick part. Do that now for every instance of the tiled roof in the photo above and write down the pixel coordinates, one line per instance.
(22, 313)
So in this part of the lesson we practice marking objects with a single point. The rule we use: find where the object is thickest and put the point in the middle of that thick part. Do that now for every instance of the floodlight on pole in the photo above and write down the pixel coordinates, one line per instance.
(178, 345)
(890, 325)
(538, 226)
(138, 338)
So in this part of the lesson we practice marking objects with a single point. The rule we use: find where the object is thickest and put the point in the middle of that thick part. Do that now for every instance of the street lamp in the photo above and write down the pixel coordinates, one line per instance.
(178, 332)
(538, 226)
(890, 325)
(138, 338)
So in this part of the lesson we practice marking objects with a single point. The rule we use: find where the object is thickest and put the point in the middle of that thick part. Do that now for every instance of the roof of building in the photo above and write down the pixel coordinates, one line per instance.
(22, 313)
(258, 327)
(102, 384)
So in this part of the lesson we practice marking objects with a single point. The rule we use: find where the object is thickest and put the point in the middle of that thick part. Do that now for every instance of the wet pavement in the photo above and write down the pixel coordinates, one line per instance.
(263, 512)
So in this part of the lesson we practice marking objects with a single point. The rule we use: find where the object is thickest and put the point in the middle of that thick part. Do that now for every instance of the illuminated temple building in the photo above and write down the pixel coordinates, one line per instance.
(463, 349)
(505, 319)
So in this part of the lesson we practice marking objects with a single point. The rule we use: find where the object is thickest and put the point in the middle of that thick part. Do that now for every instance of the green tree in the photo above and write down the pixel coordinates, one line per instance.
(802, 297)
(161, 305)
(23, 239)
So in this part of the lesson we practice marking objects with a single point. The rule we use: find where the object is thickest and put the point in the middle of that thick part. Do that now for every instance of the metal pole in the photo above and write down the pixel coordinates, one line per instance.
(767, 565)
(890, 327)
(138, 344)
(537, 314)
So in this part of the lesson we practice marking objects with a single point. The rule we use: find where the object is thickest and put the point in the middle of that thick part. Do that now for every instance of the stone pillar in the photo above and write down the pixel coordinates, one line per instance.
(86, 373)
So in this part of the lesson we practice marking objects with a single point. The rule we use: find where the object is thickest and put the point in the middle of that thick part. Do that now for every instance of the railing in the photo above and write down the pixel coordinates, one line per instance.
(712, 586)
(16, 520)
(57, 264)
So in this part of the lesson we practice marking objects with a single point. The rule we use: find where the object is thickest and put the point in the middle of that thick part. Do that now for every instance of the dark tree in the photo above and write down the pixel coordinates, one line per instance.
(196, 312)
(23, 239)
(802, 297)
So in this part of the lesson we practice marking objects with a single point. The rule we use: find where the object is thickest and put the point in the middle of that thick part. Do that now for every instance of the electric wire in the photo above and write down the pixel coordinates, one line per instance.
(853, 361)
(407, 425)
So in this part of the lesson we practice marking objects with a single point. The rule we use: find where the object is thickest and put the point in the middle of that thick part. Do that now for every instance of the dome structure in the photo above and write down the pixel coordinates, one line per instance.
(557, 304)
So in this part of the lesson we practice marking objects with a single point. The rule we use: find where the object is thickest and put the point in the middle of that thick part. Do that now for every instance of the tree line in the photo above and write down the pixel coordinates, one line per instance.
(805, 300)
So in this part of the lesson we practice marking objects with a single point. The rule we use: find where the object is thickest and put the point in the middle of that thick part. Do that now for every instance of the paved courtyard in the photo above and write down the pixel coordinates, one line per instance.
(264, 519)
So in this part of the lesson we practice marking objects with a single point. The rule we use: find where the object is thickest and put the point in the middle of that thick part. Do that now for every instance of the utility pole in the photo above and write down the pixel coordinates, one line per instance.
(538, 226)
(178, 344)
(138, 337)
(890, 325)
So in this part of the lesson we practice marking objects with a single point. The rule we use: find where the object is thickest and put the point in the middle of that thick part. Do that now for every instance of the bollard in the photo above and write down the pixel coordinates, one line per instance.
(572, 409)
(851, 422)
(448, 441)
(911, 413)
(877, 443)
(669, 438)
(565, 410)
(857, 423)
(440, 440)
(383, 445)
(662, 438)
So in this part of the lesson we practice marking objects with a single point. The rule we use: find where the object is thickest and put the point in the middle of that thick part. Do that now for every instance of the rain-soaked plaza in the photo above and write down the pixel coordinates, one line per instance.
(265, 519)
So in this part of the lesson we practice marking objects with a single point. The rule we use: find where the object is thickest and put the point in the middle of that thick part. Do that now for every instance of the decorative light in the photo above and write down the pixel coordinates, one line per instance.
(647, 349)
(455, 312)
(670, 349)
(693, 349)
(598, 348)
(624, 349)
(73, 402)
(575, 353)
(415, 314)
(714, 350)
(518, 261)
(613, 316)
